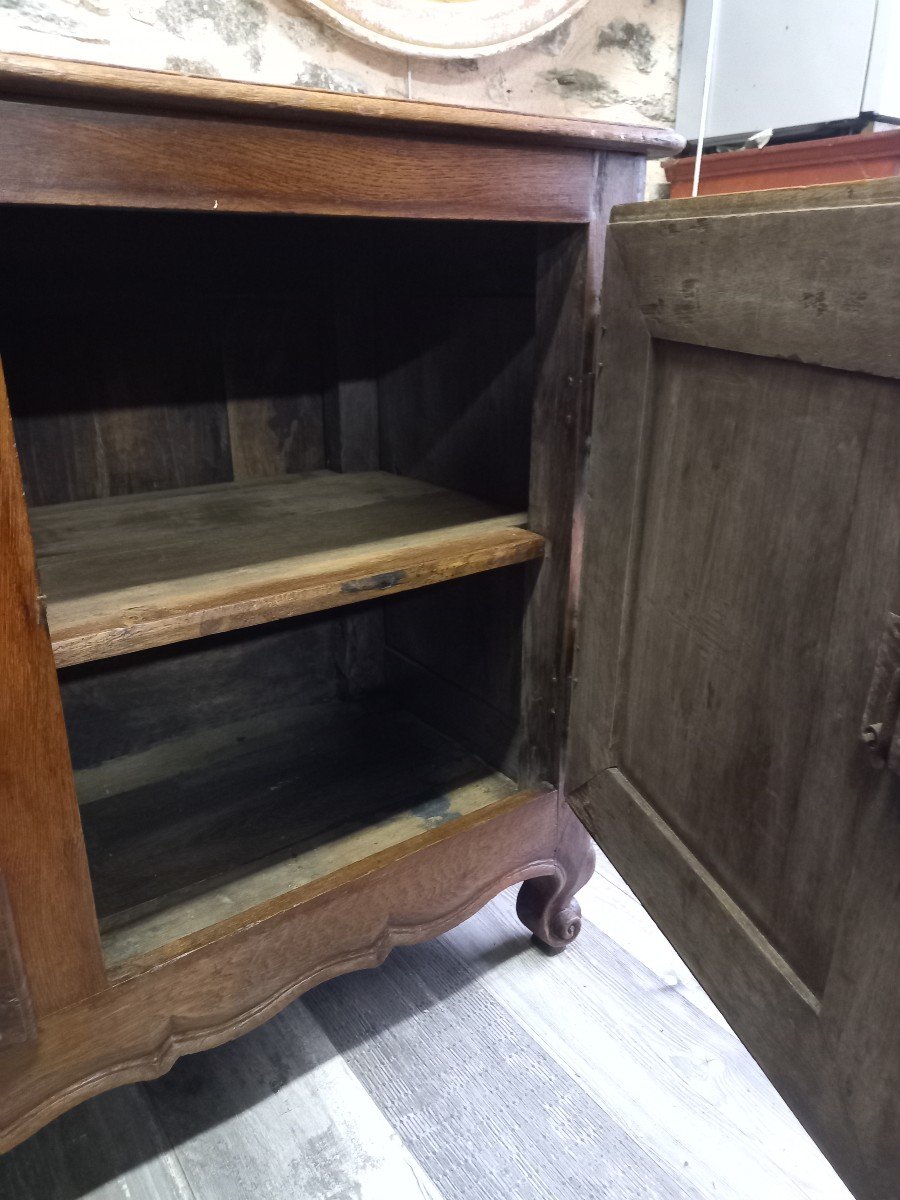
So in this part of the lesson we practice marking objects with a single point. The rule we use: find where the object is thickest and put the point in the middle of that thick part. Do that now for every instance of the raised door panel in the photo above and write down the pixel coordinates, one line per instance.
(741, 562)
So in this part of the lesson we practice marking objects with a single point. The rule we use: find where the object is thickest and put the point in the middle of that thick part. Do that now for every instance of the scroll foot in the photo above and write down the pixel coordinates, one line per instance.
(547, 905)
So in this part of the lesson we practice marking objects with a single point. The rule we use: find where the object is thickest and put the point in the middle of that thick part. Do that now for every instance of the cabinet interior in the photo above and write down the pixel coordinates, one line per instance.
(277, 471)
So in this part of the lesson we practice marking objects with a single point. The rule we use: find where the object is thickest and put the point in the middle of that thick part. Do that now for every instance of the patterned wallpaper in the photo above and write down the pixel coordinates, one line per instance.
(616, 58)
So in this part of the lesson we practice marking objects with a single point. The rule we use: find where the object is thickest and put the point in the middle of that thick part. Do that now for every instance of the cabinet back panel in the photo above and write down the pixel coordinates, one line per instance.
(455, 394)
(145, 353)
(454, 657)
(124, 705)
(148, 351)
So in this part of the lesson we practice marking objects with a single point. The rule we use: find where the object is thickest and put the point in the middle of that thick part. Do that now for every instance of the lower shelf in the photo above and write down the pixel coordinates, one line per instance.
(200, 829)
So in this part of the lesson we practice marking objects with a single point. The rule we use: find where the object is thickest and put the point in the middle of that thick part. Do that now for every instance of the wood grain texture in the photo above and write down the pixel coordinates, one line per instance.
(41, 851)
(740, 556)
(880, 730)
(614, 320)
(109, 1151)
(455, 390)
(547, 906)
(120, 158)
(609, 543)
(758, 282)
(272, 363)
(16, 1011)
(623, 1017)
(351, 405)
(860, 1007)
(194, 815)
(837, 778)
(133, 572)
(110, 149)
(555, 449)
(767, 1004)
(131, 397)
(118, 707)
(455, 658)
(455, 396)
(792, 199)
(491, 732)
(485, 1110)
(567, 353)
(753, 463)
(200, 995)
(22, 74)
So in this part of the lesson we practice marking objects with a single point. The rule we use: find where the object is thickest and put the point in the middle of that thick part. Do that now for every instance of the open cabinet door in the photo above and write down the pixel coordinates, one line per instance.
(741, 562)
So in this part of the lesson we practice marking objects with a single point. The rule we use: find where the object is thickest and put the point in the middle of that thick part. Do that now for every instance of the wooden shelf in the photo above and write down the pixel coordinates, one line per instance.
(131, 572)
(198, 829)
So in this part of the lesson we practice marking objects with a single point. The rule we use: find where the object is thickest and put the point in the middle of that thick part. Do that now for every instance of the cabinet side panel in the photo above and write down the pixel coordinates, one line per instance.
(41, 849)
(559, 349)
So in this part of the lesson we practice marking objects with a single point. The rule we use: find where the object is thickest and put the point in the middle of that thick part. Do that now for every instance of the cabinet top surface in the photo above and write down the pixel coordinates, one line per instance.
(26, 76)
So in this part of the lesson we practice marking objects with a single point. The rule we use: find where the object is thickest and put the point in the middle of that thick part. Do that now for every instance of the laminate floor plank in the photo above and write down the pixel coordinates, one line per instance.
(646, 1043)
(110, 1148)
(610, 905)
(483, 1106)
(279, 1116)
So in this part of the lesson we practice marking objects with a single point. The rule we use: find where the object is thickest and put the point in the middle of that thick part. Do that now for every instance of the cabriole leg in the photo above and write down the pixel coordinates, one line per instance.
(547, 905)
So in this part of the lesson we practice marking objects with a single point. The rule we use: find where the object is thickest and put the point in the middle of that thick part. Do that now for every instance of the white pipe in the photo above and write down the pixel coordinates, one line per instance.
(707, 88)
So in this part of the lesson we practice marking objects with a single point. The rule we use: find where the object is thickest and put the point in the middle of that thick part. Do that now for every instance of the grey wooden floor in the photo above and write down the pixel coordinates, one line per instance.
(468, 1067)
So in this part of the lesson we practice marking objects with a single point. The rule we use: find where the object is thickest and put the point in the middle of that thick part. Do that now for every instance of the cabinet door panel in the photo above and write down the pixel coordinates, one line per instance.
(741, 559)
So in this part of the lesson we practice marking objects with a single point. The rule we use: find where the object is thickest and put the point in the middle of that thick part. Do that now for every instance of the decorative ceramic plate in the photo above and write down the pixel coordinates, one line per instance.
(446, 28)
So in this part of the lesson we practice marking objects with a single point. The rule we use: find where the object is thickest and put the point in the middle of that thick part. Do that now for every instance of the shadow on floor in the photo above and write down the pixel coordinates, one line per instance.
(115, 1133)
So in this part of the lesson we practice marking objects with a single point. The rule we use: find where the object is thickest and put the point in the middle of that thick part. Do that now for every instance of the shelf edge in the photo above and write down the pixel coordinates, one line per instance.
(402, 571)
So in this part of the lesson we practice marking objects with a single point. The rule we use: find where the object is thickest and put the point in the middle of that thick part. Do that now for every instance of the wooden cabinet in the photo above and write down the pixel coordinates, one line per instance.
(376, 564)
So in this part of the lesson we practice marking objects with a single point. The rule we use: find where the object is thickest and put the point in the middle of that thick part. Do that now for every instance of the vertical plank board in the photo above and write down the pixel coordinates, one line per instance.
(611, 312)
(130, 400)
(124, 705)
(275, 374)
(839, 783)
(41, 848)
(455, 659)
(351, 438)
(351, 405)
(359, 654)
(454, 391)
(59, 450)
